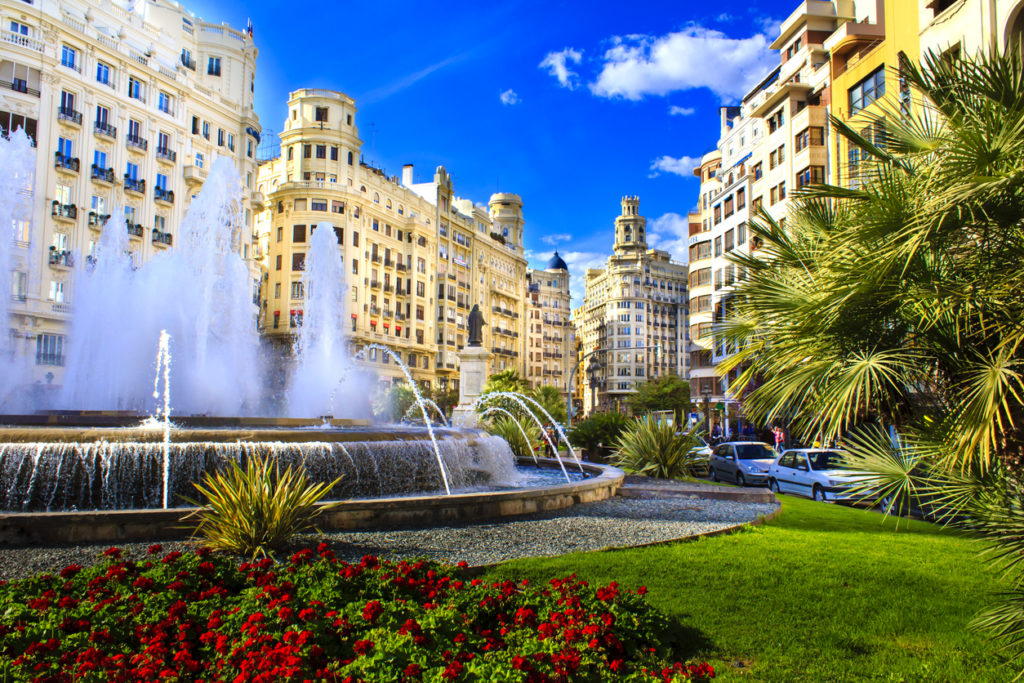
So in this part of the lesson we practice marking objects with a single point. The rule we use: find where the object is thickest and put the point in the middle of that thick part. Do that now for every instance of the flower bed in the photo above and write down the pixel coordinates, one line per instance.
(202, 617)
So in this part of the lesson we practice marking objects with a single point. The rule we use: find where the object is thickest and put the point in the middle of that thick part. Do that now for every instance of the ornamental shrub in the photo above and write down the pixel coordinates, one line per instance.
(257, 509)
(202, 616)
(653, 448)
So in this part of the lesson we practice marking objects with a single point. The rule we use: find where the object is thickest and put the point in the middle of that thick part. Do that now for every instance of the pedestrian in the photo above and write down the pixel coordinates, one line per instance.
(780, 437)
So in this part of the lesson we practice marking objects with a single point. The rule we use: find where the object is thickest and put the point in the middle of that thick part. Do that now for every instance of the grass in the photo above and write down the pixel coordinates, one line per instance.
(821, 593)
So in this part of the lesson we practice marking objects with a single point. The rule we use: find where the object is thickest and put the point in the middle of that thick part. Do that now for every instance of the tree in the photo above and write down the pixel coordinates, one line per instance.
(668, 392)
(391, 405)
(897, 307)
(553, 402)
(445, 398)
(506, 380)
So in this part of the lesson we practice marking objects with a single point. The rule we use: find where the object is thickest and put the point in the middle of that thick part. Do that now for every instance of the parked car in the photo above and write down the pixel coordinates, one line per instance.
(813, 472)
(702, 456)
(744, 462)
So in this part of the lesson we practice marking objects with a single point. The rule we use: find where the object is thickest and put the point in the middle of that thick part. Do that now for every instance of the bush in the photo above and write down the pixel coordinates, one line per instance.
(202, 616)
(597, 434)
(655, 449)
(257, 509)
(509, 429)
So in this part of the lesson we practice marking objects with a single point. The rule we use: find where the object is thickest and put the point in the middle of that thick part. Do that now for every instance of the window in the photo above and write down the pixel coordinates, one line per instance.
(297, 289)
(815, 135)
(350, 158)
(19, 29)
(355, 267)
(206, 129)
(199, 160)
(102, 73)
(64, 147)
(729, 240)
(164, 103)
(69, 57)
(757, 171)
(135, 90)
(132, 171)
(321, 151)
(307, 151)
(741, 234)
(298, 261)
(812, 175)
(56, 291)
(298, 233)
(231, 141)
(161, 181)
(213, 66)
(334, 153)
(718, 246)
(868, 90)
(50, 347)
(320, 114)
(318, 205)
(291, 153)
(741, 198)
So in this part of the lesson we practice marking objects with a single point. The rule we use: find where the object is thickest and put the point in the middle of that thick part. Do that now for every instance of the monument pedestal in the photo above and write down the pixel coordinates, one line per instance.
(472, 377)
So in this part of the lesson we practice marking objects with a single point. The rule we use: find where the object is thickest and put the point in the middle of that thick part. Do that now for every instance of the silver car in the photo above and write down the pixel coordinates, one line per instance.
(812, 472)
(744, 462)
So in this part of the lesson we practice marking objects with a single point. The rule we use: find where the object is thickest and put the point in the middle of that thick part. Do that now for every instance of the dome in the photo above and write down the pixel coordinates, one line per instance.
(556, 263)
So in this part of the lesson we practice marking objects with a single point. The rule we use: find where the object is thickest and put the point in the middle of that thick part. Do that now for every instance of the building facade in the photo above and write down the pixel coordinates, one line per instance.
(128, 104)
(418, 257)
(551, 339)
(633, 321)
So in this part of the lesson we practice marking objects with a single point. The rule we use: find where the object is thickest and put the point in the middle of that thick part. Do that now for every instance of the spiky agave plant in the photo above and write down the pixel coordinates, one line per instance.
(654, 449)
(257, 509)
(512, 431)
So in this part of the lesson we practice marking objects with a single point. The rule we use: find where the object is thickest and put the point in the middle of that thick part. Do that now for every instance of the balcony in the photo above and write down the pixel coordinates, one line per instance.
(98, 220)
(164, 195)
(102, 175)
(195, 175)
(135, 229)
(258, 201)
(388, 263)
(167, 155)
(162, 237)
(188, 62)
(21, 85)
(104, 129)
(401, 267)
(65, 163)
(375, 284)
(66, 212)
(375, 258)
(68, 115)
(63, 258)
(135, 185)
(136, 143)
(387, 288)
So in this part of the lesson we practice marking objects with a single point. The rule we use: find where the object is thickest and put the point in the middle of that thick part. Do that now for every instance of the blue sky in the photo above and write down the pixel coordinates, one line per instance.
(569, 104)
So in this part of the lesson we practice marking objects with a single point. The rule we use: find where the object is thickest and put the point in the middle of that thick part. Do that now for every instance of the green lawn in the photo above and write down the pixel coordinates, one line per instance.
(822, 593)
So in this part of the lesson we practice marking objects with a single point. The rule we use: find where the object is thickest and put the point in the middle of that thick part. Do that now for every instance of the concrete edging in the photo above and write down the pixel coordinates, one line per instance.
(117, 526)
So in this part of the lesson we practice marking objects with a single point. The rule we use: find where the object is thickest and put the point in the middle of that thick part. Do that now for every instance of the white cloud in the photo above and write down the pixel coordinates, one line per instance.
(509, 97)
(556, 238)
(696, 57)
(670, 232)
(557, 64)
(682, 166)
(769, 26)
(680, 111)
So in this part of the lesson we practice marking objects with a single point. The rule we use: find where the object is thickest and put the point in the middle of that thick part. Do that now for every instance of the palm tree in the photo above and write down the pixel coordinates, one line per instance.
(506, 380)
(552, 400)
(897, 307)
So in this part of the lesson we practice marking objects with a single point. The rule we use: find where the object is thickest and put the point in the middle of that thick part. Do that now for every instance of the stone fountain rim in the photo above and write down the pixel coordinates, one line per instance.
(115, 526)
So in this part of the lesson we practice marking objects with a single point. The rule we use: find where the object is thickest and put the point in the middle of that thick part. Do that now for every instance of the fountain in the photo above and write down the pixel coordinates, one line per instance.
(496, 409)
(429, 404)
(517, 398)
(17, 161)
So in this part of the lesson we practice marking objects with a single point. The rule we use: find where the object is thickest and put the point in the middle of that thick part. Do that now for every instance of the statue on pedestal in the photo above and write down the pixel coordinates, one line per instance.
(476, 326)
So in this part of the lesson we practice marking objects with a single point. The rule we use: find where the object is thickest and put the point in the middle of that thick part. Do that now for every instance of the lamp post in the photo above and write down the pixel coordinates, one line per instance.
(705, 393)
(572, 373)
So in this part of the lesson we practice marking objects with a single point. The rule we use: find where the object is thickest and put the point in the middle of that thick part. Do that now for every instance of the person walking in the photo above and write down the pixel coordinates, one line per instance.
(780, 437)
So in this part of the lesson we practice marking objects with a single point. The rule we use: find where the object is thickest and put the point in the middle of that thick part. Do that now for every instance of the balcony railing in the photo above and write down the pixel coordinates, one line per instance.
(162, 237)
(98, 220)
(164, 154)
(188, 62)
(67, 211)
(374, 284)
(102, 175)
(69, 115)
(136, 142)
(134, 184)
(135, 229)
(65, 162)
(20, 85)
(106, 130)
(161, 194)
(61, 258)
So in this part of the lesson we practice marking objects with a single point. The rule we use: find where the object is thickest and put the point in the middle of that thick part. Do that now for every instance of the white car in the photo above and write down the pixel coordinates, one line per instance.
(812, 472)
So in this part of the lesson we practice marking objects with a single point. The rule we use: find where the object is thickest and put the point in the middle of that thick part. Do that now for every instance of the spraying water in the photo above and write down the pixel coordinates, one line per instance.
(419, 401)
(558, 427)
(163, 363)
(518, 400)
(430, 404)
(321, 364)
(17, 161)
(496, 409)
(200, 292)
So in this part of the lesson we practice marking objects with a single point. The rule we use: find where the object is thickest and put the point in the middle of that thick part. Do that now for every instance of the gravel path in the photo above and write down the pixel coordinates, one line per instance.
(587, 527)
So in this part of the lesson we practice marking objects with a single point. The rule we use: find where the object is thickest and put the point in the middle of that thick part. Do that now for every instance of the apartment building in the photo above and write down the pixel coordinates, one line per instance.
(633, 320)
(551, 339)
(418, 257)
(128, 104)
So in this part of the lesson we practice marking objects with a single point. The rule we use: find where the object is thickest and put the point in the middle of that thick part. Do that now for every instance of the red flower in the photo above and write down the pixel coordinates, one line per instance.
(361, 647)
(453, 670)
(372, 610)
(112, 552)
(155, 548)
(73, 569)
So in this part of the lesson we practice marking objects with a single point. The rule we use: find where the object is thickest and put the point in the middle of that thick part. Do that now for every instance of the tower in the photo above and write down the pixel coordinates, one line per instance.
(630, 228)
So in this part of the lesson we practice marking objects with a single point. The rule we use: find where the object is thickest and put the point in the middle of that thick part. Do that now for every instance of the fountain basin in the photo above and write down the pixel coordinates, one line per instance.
(116, 526)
